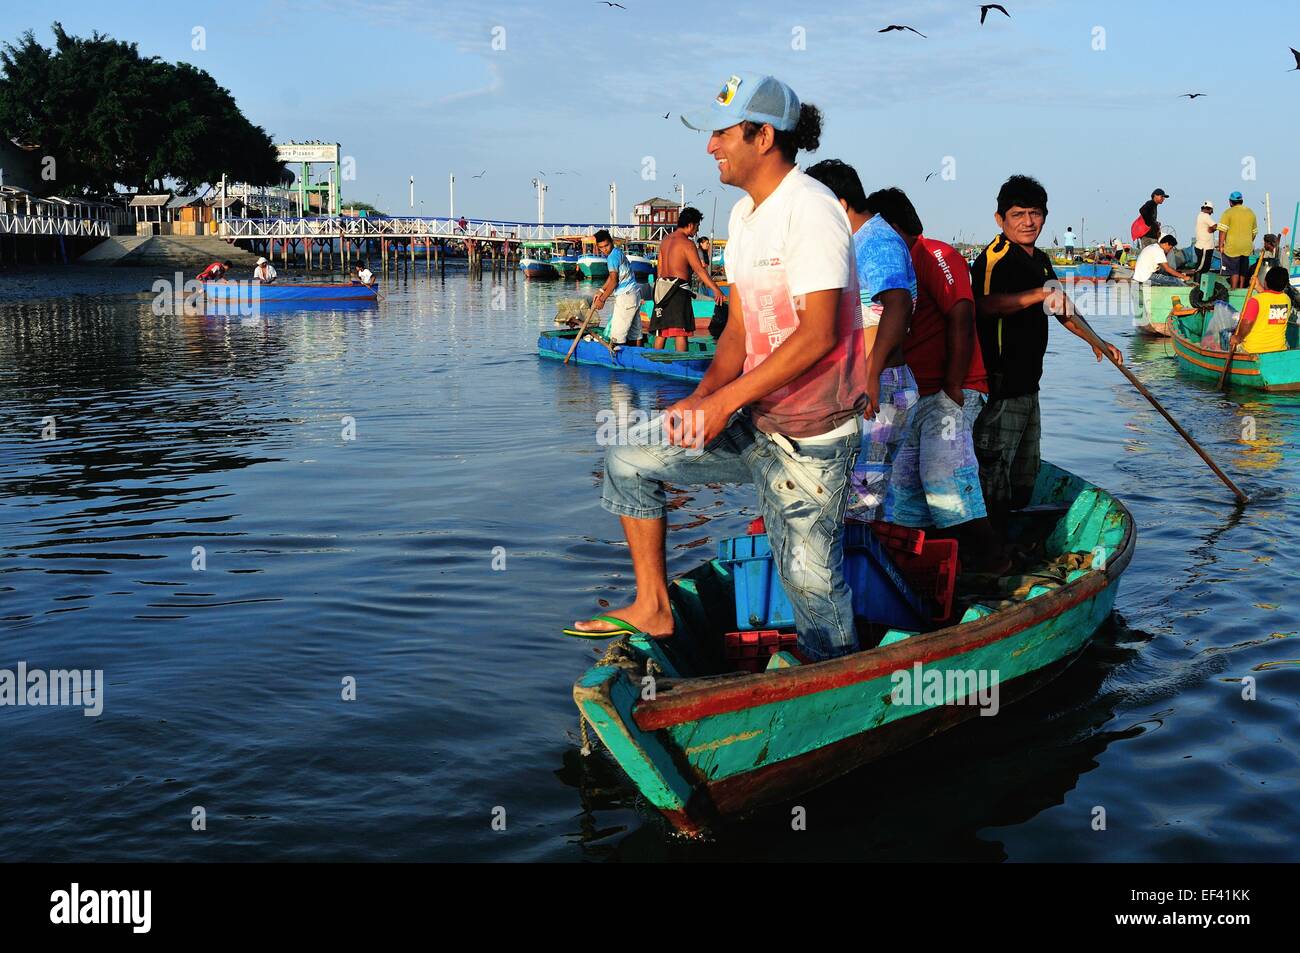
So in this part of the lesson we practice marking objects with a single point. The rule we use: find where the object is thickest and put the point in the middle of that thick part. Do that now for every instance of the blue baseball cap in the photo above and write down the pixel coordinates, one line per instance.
(748, 97)
(1234, 197)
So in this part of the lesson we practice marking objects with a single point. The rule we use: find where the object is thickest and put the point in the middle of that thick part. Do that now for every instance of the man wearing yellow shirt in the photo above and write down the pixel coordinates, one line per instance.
(1262, 326)
(1237, 228)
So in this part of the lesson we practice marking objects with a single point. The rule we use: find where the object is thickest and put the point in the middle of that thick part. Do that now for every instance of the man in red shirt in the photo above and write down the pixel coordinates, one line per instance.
(935, 482)
(214, 272)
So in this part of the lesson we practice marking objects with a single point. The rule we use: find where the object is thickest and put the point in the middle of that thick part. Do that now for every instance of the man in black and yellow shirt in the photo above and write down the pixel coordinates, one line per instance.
(1015, 290)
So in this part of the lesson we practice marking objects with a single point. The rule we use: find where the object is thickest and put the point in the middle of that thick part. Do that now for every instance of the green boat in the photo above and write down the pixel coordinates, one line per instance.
(1154, 305)
(703, 743)
(1276, 372)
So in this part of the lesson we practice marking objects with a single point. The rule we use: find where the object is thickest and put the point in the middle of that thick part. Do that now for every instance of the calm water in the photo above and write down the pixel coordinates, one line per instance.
(373, 558)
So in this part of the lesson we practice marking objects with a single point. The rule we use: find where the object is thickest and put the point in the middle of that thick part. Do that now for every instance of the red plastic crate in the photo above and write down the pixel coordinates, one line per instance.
(933, 573)
(750, 651)
(899, 540)
(756, 527)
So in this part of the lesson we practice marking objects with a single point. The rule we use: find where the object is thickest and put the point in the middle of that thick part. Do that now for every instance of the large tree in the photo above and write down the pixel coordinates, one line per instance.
(109, 117)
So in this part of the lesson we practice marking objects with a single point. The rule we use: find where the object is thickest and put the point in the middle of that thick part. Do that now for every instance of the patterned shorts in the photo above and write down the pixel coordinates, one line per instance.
(881, 439)
(936, 476)
(1007, 437)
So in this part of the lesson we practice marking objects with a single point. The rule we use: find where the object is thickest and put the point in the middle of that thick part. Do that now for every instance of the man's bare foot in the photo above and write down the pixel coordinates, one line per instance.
(655, 621)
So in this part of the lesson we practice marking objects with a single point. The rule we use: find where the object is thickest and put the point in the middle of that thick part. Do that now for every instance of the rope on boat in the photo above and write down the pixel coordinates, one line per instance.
(619, 655)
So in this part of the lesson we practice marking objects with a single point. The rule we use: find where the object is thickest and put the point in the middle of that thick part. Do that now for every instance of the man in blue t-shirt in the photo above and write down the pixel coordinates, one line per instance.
(624, 325)
(887, 289)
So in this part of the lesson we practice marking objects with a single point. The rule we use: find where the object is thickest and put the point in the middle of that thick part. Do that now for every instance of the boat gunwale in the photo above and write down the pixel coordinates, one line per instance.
(678, 701)
(1252, 375)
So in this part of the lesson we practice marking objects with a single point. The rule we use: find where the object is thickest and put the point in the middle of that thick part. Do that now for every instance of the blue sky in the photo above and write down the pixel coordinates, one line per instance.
(416, 88)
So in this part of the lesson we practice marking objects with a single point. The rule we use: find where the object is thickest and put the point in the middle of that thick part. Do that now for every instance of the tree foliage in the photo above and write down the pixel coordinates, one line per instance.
(110, 117)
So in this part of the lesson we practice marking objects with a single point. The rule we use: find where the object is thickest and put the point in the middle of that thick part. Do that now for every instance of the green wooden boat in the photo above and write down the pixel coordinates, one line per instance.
(708, 743)
(1154, 305)
(1277, 372)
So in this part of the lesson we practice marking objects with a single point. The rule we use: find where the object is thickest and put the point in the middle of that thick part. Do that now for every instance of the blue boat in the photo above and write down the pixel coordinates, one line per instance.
(248, 292)
(535, 261)
(689, 365)
(642, 258)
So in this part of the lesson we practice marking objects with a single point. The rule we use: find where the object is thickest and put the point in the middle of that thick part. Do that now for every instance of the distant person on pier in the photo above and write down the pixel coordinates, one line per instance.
(462, 224)
(363, 274)
(674, 312)
(781, 403)
(214, 272)
(624, 326)
(264, 272)
(1068, 242)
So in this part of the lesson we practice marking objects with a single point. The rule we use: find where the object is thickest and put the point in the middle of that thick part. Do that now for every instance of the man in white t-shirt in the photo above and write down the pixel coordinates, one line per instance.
(780, 404)
(1206, 229)
(1068, 242)
(1152, 266)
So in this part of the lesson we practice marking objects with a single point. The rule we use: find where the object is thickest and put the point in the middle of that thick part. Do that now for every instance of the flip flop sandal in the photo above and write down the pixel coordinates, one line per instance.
(624, 628)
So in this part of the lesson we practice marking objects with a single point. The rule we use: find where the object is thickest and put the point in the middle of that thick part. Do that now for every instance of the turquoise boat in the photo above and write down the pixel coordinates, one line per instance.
(702, 308)
(564, 259)
(689, 365)
(703, 743)
(1277, 372)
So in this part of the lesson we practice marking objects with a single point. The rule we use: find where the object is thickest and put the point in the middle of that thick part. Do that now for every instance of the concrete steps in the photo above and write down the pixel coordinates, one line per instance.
(182, 252)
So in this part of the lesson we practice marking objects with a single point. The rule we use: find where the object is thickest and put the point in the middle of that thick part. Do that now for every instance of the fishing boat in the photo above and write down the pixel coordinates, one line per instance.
(1091, 270)
(535, 261)
(248, 292)
(1155, 305)
(688, 365)
(710, 743)
(564, 258)
(643, 259)
(591, 263)
(1275, 372)
(702, 308)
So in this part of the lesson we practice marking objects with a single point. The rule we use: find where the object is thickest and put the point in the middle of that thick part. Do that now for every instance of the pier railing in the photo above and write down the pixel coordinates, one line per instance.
(346, 226)
(19, 224)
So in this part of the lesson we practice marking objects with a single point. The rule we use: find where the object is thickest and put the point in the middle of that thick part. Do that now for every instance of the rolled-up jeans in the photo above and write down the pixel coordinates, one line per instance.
(802, 491)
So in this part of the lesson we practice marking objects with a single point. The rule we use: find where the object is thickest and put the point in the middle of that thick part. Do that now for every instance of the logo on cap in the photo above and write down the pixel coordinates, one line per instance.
(729, 91)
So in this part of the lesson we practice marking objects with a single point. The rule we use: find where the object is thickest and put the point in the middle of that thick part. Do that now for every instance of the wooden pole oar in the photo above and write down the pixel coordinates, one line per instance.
(578, 337)
(1232, 351)
(1091, 336)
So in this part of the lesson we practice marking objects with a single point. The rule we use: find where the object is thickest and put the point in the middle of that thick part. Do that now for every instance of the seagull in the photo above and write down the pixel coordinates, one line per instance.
(895, 26)
(480, 175)
(986, 7)
(1191, 95)
(927, 178)
(666, 115)
(1296, 54)
(608, 4)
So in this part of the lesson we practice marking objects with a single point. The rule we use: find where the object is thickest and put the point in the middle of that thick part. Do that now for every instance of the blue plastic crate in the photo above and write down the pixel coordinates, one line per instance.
(880, 593)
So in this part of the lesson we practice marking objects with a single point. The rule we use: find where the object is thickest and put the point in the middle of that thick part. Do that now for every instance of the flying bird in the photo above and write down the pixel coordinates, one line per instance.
(480, 175)
(986, 7)
(1296, 54)
(1191, 95)
(895, 26)
(927, 178)
(608, 4)
(666, 115)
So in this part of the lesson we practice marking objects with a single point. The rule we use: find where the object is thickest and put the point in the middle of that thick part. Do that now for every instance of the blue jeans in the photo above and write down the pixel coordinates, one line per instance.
(802, 493)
